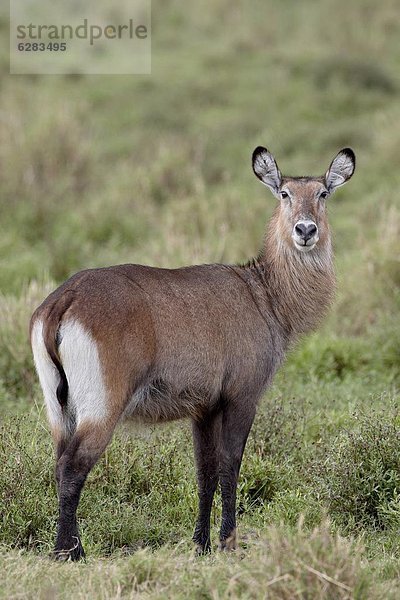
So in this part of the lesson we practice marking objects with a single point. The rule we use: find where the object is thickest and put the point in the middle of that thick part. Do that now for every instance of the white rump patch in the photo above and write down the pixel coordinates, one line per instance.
(48, 375)
(79, 355)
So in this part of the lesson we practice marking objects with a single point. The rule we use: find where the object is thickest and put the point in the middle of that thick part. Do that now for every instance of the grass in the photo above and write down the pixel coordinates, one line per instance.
(105, 170)
(359, 475)
(315, 564)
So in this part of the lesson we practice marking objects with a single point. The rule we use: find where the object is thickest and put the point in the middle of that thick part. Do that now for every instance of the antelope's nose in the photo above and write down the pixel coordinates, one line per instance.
(305, 230)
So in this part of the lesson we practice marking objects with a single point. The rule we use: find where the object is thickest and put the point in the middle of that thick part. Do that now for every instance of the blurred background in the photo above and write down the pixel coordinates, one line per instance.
(99, 170)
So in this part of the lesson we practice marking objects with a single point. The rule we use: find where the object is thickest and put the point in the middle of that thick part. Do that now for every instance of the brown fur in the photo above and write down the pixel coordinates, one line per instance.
(202, 342)
(301, 286)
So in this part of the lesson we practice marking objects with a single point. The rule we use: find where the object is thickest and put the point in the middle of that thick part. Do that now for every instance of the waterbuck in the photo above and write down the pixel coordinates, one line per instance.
(202, 342)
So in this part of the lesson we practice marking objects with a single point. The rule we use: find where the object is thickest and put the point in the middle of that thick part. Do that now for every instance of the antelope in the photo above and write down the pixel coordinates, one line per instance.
(200, 342)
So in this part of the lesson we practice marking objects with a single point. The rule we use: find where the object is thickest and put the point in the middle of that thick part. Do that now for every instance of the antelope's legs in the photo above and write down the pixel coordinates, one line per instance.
(236, 424)
(206, 439)
(73, 466)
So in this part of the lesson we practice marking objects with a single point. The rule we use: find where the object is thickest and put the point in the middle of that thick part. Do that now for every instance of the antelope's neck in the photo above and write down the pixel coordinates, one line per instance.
(299, 286)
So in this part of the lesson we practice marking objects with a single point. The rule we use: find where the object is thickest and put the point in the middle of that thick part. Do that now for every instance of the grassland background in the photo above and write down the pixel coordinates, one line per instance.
(156, 169)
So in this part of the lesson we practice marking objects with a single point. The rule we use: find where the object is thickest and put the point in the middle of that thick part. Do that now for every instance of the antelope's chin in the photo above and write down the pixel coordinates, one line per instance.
(305, 247)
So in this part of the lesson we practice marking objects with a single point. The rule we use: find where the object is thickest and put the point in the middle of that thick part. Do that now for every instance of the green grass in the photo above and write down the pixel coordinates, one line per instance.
(156, 170)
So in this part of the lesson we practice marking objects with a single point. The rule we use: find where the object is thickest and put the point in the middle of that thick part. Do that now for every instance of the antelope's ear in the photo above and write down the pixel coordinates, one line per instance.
(266, 169)
(341, 169)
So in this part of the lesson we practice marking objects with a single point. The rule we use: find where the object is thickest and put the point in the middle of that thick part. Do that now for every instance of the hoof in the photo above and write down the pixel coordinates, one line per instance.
(74, 552)
(202, 542)
(203, 549)
(230, 543)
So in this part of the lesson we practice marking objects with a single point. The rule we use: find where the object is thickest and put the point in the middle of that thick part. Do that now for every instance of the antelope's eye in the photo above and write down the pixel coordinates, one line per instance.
(323, 195)
(284, 195)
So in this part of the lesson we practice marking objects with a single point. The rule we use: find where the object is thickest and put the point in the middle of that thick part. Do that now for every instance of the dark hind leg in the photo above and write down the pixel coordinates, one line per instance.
(76, 460)
(236, 424)
(206, 439)
(62, 440)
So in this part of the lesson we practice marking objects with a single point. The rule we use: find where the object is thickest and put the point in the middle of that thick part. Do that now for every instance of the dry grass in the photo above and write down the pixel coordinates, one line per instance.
(277, 566)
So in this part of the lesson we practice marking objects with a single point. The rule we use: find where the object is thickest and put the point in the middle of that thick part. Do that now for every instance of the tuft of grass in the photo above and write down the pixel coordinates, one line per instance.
(359, 475)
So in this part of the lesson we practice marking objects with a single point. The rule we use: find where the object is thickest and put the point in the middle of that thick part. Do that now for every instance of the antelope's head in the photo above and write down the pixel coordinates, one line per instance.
(301, 219)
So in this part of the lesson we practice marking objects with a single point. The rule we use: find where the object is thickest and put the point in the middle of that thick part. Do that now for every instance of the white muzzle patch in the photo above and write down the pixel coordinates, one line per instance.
(305, 235)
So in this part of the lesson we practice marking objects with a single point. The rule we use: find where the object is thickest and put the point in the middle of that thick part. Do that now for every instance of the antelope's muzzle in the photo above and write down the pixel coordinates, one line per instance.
(305, 235)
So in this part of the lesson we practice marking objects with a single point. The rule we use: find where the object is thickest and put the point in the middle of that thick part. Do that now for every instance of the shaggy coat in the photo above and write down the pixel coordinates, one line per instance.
(201, 342)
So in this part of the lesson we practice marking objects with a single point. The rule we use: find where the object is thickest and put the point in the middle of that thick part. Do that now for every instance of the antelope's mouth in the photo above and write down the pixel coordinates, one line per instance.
(304, 246)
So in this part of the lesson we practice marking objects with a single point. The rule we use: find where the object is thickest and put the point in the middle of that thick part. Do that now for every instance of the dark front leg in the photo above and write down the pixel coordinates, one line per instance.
(236, 424)
(206, 439)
